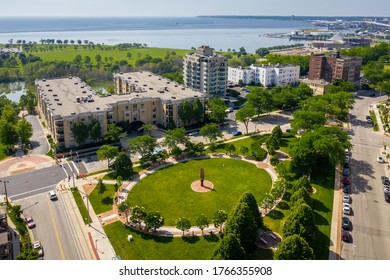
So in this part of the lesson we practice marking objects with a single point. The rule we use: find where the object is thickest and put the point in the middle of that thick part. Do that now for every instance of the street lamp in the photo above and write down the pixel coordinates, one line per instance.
(5, 190)
(86, 196)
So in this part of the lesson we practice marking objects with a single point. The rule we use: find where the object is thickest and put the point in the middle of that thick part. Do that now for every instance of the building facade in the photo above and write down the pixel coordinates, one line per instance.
(265, 75)
(139, 97)
(206, 71)
(332, 67)
(319, 87)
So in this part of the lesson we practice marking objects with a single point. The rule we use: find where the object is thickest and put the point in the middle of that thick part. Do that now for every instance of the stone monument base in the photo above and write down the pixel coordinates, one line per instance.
(207, 186)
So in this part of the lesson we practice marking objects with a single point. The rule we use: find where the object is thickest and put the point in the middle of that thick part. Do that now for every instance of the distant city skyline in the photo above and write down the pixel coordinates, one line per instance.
(182, 8)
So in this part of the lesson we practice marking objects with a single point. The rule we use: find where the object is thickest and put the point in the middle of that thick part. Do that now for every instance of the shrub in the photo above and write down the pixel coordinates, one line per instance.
(258, 152)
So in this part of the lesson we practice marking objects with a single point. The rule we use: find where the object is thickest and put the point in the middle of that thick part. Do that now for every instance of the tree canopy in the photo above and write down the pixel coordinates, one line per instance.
(294, 247)
(229, 249)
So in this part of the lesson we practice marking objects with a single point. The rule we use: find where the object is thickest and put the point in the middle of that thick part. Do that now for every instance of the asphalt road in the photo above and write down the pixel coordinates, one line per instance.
(53, 229)
(370, 212)
(39, 143)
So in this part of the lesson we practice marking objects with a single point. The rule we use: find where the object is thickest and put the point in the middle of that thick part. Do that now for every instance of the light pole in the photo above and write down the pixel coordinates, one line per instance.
(5, 191)
(86, 196)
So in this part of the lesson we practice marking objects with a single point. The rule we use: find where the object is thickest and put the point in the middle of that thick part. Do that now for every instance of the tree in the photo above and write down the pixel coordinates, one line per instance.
(147, 127)
(113, 133)
(8, 134)
(294, 247)
(144, 145)
(101, 187)
(299, 197)
(138, 214)
(197, 110)
(9, 115)
(123, 165)
(302, 182)
(244, 150)
(80, 132)
(185, 112)
(307, 120)
(25, 131)
(301, 221)
(219, 219)
(107, 152)
(175, 137)
(123, 207)
(154, 220)
(211, 132)
(261, 100)
(249, 199)
(244, 115)
(262, 52)
(183, 224)
(230, 148)
(28, 101)
(274, 139)
(202, 222)
(95, 130)
(217, 110)
(242, 224)
(229, 249)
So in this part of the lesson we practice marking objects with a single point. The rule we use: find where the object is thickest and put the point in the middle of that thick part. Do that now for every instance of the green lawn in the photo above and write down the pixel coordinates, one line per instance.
(169, 190)
(80, 205)
(148, 247)
(239, 143)
(69, 53)
(102, 202)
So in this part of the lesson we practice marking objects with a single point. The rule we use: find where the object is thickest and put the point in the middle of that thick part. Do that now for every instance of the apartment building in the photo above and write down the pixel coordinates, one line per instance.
(206, 71)
(332, 67)
(319, 87)
(265, 75)
(139, 96)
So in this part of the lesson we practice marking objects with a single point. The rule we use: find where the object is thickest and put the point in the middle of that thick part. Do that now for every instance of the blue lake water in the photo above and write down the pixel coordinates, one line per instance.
(182, 33)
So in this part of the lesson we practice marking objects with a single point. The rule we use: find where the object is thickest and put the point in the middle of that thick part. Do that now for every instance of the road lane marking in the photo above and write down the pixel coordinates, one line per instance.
(20, 194)
(56, 230)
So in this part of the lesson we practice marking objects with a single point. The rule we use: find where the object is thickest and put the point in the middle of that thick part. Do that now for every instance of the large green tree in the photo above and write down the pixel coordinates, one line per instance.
(95, 130)
(25, 131)
(217, 110)
(154, 220)
(8, 133)
(250, 199)
(197, 110)
(242, 224)
(80, 132)
(107, 152)
(138, 214)
(113, 133)
(9, 114)
(185, 112)
(28, 101)
(123, 165)
(175, 137)
(244, 115)
(229, 249)
(307, 120)
(202, 222)
(261, 100)
(144, 145)
(294, 247)
(211, 131)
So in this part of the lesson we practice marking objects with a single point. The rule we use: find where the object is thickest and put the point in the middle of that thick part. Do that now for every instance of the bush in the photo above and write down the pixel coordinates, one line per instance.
(274, 160)
(258, 152)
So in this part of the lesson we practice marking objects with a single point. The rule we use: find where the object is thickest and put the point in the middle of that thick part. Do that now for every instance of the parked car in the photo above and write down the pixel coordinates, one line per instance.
(368, 118)
(345, 236)
(346, 189)
(385, 180)
(52, 195)
(237, 133)
(347, 209)
(193, 133)
(346, 172)
(30, 222)
(347, 152)
(346, 180)
(346, 198)
(386, 189)
(346, 223)
(37, 246)
(380, 159)
(346, 165)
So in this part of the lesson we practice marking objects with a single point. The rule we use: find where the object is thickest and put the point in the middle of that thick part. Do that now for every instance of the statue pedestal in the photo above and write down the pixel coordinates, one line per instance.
(197, 186)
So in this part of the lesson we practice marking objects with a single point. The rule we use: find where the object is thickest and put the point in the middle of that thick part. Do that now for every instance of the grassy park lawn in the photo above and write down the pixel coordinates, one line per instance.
(102, 202)
(239, 143)
(169, 190)
(68, 53)
(148, 247)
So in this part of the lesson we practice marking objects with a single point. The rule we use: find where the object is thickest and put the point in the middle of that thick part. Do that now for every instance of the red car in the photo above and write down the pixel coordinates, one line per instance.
(346, 180)
(30, 222)
(345, 236)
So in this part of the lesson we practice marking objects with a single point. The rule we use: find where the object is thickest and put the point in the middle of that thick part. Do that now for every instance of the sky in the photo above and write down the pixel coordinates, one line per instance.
(185, 8)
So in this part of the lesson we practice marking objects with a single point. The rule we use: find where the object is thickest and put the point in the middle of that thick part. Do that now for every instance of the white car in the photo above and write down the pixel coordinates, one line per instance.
(346, 198)
(52, 195)
(380, 159)
(346, 209)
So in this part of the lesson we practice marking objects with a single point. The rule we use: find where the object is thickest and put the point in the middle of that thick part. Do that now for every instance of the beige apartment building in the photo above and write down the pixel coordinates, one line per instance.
(139, 96)
(206, 71)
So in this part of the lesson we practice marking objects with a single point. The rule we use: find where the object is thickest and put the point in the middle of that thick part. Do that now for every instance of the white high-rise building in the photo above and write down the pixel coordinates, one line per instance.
(206, 71)
(265, 75)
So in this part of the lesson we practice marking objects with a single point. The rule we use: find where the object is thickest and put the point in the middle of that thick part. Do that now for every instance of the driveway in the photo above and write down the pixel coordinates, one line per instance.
(39, 144)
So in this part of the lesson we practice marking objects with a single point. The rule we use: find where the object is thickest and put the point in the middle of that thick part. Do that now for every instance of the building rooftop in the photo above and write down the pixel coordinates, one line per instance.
(70, 96)
(154, 86)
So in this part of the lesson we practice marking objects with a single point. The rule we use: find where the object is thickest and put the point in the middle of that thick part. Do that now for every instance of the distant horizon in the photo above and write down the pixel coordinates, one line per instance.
(172, 16)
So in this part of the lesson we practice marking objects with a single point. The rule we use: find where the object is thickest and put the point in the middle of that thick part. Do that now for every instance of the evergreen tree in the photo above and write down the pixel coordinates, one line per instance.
(294, 247)
(229, 249)
(249, 199)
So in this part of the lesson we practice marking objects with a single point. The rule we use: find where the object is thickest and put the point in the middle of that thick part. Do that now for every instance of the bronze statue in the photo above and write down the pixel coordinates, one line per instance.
(201, 176)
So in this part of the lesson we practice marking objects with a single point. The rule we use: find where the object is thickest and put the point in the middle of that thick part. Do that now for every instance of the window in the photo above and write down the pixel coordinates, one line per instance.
(154, 109)
(127, 107)
(134, 106)
(154, 116)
